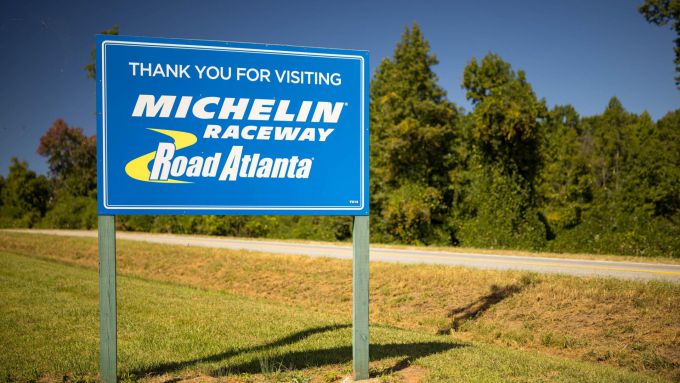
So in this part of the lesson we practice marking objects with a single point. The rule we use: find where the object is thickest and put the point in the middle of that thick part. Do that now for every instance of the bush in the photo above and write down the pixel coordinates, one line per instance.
(503, 215)
(70, 212)
(607, 230)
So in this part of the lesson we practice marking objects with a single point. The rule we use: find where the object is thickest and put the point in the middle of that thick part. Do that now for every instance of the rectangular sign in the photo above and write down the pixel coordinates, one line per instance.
(210, 127)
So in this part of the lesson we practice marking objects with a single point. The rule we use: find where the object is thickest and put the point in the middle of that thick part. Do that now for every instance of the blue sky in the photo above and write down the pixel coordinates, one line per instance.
(576, 52)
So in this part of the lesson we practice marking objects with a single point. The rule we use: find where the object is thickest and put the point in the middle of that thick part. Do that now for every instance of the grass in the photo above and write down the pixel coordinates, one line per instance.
(49, 332)
(603, 326)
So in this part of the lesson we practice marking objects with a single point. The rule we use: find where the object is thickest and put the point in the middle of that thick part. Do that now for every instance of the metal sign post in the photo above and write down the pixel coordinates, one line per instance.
(108, 340)
(360, 257)
(193, 127)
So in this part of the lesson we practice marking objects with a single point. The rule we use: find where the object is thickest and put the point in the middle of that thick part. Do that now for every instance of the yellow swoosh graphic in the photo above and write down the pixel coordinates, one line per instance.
(139, 167)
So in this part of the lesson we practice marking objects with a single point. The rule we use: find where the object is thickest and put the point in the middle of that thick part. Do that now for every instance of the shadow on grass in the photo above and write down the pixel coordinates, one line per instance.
(474, 309)
(290, 339)
(302, 359)
(407, 352)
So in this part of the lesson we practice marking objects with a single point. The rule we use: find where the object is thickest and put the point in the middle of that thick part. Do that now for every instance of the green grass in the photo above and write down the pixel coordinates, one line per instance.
(49, 331)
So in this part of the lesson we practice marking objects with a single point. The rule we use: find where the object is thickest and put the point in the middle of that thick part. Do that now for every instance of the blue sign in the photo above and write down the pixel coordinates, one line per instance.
(210, 127)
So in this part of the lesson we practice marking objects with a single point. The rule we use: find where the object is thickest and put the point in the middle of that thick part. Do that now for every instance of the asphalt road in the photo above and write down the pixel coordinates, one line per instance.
(628, 270)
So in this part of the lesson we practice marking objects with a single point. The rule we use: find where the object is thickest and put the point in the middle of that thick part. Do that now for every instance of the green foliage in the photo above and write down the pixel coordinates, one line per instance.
(135, 223)
(502, 215)
(654, 176)
(318, 228)
(608, 230)
(72, 212)
(2, 186)
(660, 12)
(91, 67)
(179, 224)
(628, 201)
(412, 140)
(24, 196)
(72, 158)
(506, 118)
(566, 185)
(608, 140)
(408, 212)
(412, 126)
(497, 203)
(72, 192)
(299, 227)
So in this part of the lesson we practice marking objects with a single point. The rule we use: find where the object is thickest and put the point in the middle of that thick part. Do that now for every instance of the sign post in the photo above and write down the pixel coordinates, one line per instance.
(221, 128)
(108, 342)
(360, 240)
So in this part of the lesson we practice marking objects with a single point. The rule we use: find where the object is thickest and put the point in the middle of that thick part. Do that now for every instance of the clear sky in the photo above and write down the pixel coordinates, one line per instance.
(580, 52)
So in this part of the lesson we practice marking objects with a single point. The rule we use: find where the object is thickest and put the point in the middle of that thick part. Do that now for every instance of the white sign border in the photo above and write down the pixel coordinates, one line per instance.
(105, 43)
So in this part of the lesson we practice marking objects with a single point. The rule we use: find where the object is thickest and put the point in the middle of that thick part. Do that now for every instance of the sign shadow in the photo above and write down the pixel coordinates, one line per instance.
(408, 352)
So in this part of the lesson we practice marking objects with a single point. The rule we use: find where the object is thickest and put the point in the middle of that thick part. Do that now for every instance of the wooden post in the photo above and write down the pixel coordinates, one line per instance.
(107, 299)
(360, 239)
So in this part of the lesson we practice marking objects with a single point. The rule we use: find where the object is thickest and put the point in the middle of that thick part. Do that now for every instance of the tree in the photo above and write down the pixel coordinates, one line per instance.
(661, 12)
(566, 182)
(507, 116)
(72, 158)
(610, 144)
(91, 68)
(412, 135)
(25, 195)
(633, 169)
(499, 205)
(653, 177)
(2, 186)
(412, 122)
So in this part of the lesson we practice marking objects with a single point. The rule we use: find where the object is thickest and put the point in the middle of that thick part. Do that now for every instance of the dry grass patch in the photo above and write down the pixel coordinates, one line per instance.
(631, 324)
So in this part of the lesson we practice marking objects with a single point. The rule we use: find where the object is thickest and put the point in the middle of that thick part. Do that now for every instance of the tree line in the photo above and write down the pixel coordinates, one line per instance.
(511, 173)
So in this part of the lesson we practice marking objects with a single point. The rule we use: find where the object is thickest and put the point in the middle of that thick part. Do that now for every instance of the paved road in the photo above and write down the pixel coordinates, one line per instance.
(629, 270)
